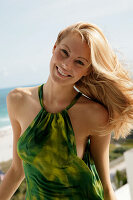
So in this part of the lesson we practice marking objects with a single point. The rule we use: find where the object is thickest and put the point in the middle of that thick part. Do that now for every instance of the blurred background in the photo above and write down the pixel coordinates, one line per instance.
(28, 30)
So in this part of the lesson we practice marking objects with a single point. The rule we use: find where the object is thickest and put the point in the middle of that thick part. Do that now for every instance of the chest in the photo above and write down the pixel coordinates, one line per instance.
(77, 119)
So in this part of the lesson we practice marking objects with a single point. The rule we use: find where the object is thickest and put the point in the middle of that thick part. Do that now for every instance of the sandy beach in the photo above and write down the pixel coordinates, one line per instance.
(6, 143)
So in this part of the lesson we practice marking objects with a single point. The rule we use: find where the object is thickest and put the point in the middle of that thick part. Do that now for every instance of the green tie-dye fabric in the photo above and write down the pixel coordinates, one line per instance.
(53, 171)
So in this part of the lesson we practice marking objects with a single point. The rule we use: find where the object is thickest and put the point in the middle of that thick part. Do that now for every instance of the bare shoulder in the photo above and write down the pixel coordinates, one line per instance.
(99, 114)
(15, 95)
(17, 98)
(19, 94)
(95, 112)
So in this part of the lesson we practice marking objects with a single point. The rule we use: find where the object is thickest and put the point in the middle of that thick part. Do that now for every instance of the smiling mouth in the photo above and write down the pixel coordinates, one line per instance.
(61, 73)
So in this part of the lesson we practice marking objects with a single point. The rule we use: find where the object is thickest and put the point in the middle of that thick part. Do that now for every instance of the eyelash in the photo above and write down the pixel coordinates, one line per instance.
(66, 53)
(79, 62)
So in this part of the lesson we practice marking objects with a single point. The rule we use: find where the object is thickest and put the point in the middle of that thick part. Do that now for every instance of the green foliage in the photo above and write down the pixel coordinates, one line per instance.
(120, 150)
(113, 156)
(120, 178)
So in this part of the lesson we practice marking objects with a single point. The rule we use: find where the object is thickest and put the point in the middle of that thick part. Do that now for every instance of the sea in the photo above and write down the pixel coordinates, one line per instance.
(4, 118)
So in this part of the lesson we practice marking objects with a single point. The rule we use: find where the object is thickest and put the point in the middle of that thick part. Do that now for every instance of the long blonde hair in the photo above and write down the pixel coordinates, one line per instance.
(108, 82)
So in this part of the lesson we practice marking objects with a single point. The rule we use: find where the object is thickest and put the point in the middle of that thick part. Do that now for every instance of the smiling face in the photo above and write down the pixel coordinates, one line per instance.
(70, 60)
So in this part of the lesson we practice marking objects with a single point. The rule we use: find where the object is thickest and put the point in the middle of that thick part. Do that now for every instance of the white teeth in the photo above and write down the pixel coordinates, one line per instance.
(61, 72)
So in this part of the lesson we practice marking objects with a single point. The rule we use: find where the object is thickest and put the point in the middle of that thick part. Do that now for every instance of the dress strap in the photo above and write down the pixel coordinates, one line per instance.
(74, 100)
(40, 94)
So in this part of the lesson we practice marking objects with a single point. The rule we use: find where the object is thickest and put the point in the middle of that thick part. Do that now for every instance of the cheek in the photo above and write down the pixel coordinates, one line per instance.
(57, 56)
(79, 71)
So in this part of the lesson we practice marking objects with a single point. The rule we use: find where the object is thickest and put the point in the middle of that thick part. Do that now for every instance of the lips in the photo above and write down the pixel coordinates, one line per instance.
(62, 72)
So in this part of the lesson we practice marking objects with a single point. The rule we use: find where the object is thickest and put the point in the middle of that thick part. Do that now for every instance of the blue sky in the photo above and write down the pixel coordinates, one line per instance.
(28, 30)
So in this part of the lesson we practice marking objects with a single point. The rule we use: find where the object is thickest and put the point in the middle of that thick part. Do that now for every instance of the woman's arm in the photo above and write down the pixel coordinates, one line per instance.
(99, 147)
(15, 174)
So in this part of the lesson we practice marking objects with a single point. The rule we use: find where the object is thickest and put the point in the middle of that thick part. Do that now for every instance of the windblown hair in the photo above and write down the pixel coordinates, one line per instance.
(107, 83)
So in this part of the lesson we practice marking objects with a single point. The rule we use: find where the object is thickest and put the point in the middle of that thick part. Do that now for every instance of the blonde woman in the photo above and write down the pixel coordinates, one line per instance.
(62, 128)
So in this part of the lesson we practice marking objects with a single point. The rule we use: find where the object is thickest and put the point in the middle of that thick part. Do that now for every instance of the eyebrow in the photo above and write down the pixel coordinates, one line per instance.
(70, 51)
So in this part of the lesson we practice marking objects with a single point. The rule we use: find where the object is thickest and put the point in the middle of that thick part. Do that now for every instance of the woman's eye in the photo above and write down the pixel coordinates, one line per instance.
(80, 62)
(64, 51)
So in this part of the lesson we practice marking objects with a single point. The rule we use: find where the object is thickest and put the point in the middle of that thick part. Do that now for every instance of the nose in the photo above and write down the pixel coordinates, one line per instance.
(67, 65)
(64, 66)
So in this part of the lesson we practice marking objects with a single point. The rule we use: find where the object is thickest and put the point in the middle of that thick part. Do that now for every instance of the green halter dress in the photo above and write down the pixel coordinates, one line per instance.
(53, 171)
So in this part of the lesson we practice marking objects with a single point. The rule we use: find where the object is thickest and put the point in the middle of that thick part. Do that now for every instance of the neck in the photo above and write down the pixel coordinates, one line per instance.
(58, 94)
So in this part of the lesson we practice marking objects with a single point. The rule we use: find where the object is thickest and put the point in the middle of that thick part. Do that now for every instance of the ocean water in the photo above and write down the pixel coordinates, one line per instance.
(4, 118)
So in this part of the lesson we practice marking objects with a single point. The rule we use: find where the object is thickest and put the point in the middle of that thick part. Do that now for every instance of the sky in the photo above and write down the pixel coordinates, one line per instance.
(29, 28)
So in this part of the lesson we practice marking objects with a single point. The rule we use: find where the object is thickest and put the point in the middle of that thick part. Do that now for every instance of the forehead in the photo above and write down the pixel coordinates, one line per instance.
(76, 45)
